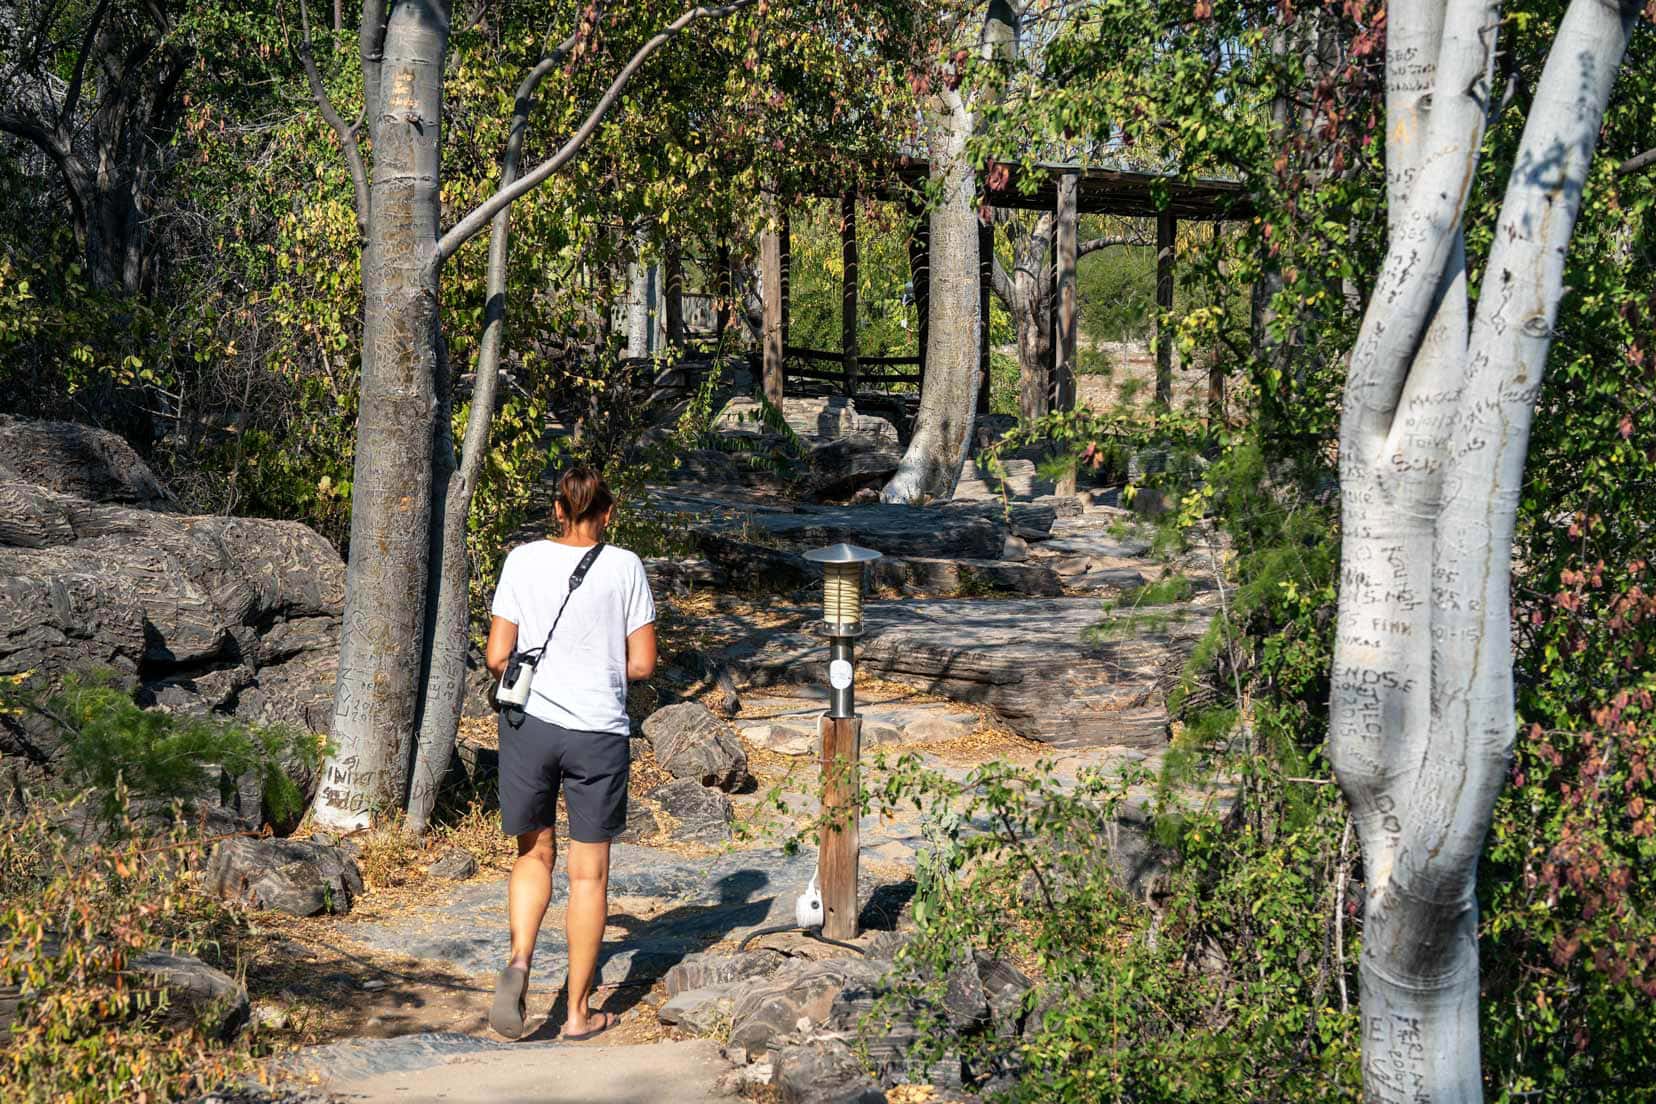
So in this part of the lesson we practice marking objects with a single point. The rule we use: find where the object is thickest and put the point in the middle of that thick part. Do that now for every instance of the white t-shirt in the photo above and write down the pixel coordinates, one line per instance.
(581, 680)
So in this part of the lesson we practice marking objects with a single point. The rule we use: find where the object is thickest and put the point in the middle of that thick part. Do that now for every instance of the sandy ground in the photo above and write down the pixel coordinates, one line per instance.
(555, 1073)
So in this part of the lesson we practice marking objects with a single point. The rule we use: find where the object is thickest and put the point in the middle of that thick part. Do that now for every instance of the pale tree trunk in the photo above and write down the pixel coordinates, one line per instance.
(948, 401)
(931, 466)
(1433, 434)
(384, 622)
(444, 684)
(638, 301)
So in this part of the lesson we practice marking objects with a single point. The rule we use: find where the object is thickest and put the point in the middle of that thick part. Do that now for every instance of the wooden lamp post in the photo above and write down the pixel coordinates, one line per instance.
(842, 566)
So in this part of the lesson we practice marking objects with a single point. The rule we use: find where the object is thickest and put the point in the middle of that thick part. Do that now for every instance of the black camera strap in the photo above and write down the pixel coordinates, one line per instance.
(576, 578)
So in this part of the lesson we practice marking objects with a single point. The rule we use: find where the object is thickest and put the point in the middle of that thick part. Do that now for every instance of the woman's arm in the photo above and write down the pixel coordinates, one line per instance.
(641, 653)
(503, 638)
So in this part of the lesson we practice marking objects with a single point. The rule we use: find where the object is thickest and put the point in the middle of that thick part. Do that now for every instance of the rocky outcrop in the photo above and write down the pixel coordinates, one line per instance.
(233, 615)
(1059, 670)
(297, 877)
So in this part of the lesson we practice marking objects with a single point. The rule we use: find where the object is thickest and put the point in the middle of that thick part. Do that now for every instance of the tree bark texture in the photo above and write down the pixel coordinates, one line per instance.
(673, 297)
(104, 113)
(380, 657)
(1433, 434)
(931, 466)
(638, 303)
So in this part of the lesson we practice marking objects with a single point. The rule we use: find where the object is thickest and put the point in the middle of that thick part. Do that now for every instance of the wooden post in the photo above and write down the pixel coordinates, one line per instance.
(1166, 229)
(919, 244)
(1064, 303)
(673, 266)
(837, 859)
(770, 290)
(986, 280)
(848, 293)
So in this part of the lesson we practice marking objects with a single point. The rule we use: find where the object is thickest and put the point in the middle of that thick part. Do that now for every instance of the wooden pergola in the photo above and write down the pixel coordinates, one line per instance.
(1069, 191)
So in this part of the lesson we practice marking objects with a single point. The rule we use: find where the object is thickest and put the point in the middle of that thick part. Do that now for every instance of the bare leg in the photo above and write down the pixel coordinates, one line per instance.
(584, 923)
(529, 891)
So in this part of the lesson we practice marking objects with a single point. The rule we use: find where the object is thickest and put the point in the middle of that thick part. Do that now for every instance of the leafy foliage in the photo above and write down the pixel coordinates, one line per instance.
(73, 915)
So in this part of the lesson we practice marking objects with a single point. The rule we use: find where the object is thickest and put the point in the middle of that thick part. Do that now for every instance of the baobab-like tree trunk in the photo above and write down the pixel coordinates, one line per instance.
(380, 655)
(1433, 434)
(1027, 293)
(948, 402)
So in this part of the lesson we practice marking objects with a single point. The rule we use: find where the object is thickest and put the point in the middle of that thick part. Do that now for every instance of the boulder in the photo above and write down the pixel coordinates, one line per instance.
(934, 729)
(965, 577)
(942, 531)
(690, 742)
(197, 995)
(703, 815)
(456, 865)
(292, 876)
(813, 417)
(705, 1011)
(1059, 670)
(641, 823)
(845, 463)
(824, 1070)
(78, 460)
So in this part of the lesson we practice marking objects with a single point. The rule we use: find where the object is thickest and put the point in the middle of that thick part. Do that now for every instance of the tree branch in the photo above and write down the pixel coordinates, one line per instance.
(1093, 245)
(347, 133)
(469, 226)
(1637, 163)
(71, 98)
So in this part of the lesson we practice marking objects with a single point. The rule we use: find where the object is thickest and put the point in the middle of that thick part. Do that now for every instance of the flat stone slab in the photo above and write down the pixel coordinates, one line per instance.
(486, 1072)
(1060, 670)
(944, 531)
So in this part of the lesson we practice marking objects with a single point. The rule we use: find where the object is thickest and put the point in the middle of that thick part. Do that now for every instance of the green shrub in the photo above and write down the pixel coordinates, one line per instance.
(114, 747)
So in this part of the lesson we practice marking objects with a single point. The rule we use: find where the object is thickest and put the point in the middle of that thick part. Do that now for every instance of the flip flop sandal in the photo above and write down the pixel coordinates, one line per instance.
(507, 1014)
(610, 1021)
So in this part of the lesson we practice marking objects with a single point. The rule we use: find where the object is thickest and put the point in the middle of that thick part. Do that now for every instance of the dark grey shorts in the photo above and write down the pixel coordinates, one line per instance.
(537, 758)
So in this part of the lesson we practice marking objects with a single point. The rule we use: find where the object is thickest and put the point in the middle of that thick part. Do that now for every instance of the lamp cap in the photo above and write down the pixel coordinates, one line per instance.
(841, 553)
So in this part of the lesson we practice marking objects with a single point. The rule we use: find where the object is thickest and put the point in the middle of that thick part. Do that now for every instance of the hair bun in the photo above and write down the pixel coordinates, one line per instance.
(583, 494)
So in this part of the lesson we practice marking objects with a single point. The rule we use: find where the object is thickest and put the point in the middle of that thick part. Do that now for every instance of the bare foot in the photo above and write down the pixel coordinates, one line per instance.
(596, 1023)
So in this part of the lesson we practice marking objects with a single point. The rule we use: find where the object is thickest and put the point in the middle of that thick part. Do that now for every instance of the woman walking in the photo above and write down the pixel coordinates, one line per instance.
(587, 608)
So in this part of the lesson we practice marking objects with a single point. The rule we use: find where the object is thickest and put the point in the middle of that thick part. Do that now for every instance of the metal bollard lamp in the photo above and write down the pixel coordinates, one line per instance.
(842, 581)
